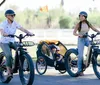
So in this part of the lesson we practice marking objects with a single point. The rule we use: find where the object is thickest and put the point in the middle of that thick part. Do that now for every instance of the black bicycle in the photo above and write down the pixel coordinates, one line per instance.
(23, 63)
(93, 55)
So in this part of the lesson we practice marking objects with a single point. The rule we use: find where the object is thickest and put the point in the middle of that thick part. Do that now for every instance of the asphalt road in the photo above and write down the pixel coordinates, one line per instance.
(53, 77)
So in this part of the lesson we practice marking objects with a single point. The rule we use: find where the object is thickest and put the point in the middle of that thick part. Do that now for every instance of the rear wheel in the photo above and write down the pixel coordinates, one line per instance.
(41, 65)
(96, 65)
(3, 70)
(26, 70)
(71, 62)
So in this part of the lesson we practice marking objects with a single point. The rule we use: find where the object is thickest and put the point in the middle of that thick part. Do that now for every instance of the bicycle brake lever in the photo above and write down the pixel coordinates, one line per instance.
(30, 35)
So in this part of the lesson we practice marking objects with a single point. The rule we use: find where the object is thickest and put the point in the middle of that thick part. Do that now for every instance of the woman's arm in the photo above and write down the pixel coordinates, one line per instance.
(75, 31)
(93, 28)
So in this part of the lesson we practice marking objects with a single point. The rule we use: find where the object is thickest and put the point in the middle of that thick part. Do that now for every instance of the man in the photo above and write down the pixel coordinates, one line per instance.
(9, 27)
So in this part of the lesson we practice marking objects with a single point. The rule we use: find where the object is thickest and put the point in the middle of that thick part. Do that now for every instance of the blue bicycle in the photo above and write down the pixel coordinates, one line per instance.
(93, 55)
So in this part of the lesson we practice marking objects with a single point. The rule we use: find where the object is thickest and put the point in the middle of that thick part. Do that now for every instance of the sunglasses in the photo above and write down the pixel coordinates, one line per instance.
(13, 15)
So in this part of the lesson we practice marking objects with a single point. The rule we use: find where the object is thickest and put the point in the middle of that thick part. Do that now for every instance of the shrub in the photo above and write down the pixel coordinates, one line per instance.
(64, 22)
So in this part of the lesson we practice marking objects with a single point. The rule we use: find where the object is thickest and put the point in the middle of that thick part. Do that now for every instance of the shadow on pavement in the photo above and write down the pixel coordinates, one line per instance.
(59, 79)
(88, 79)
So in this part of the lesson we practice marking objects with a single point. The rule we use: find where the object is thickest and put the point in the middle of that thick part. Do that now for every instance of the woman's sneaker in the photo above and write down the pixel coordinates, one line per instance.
(81, 74)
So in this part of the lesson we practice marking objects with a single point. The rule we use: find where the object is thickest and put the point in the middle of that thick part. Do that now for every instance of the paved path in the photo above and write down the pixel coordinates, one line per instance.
(53, 77)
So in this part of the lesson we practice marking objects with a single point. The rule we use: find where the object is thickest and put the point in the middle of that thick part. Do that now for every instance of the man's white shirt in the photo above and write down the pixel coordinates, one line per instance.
(8, 29)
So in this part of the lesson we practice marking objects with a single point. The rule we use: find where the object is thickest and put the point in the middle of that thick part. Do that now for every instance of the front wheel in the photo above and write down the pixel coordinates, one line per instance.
(26, 70)
(71, 62)
(96, 65)
(41, 65)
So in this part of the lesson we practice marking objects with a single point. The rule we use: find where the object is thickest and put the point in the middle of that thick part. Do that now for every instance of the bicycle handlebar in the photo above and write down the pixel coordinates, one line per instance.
(21, 36)
(91, 36)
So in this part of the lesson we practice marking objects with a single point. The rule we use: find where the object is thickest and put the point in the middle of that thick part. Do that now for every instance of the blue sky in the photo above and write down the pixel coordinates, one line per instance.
(70, 5)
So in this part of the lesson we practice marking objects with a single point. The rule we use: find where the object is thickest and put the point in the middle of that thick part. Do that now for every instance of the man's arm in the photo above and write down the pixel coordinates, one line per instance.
(2, 33)
(25, 31)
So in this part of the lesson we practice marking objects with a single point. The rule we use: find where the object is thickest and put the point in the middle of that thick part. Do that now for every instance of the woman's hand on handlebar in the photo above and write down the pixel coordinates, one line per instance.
(98, 33)
(81, 36)
(10, 35)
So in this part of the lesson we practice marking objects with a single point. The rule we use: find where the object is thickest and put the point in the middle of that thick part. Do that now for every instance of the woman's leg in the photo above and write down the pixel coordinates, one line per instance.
(80, 53)
(87, 42)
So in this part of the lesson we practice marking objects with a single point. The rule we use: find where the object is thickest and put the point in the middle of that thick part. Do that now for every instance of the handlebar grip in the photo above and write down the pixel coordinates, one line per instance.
(33, 35)
(85, 35)
(98, 33)
(30, 34)
(10, 35)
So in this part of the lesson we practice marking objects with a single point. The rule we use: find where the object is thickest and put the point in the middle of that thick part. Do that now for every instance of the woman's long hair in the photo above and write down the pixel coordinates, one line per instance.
(80, 24)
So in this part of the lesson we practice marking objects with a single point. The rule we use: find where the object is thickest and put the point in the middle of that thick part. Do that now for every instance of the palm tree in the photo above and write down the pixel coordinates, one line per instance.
(62, 2)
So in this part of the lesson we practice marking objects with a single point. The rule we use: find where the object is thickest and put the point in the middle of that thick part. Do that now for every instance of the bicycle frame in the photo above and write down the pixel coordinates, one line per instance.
(91, 52)
(19, 52)
(88, 57)
(18, 56)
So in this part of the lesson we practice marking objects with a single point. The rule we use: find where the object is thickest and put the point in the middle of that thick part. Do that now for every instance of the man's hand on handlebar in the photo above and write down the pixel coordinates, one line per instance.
(30, 34)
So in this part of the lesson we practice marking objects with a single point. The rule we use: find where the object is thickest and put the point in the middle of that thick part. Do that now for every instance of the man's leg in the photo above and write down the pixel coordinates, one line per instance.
(7, 51)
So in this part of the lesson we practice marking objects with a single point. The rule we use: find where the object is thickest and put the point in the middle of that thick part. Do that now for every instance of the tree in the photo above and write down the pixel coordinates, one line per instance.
(62, 2)
(48, 21)
(64, 22)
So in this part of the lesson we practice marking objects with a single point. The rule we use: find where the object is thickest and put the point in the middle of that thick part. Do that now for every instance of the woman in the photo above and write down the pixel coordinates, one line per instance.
(9, 27)
(82, 27)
